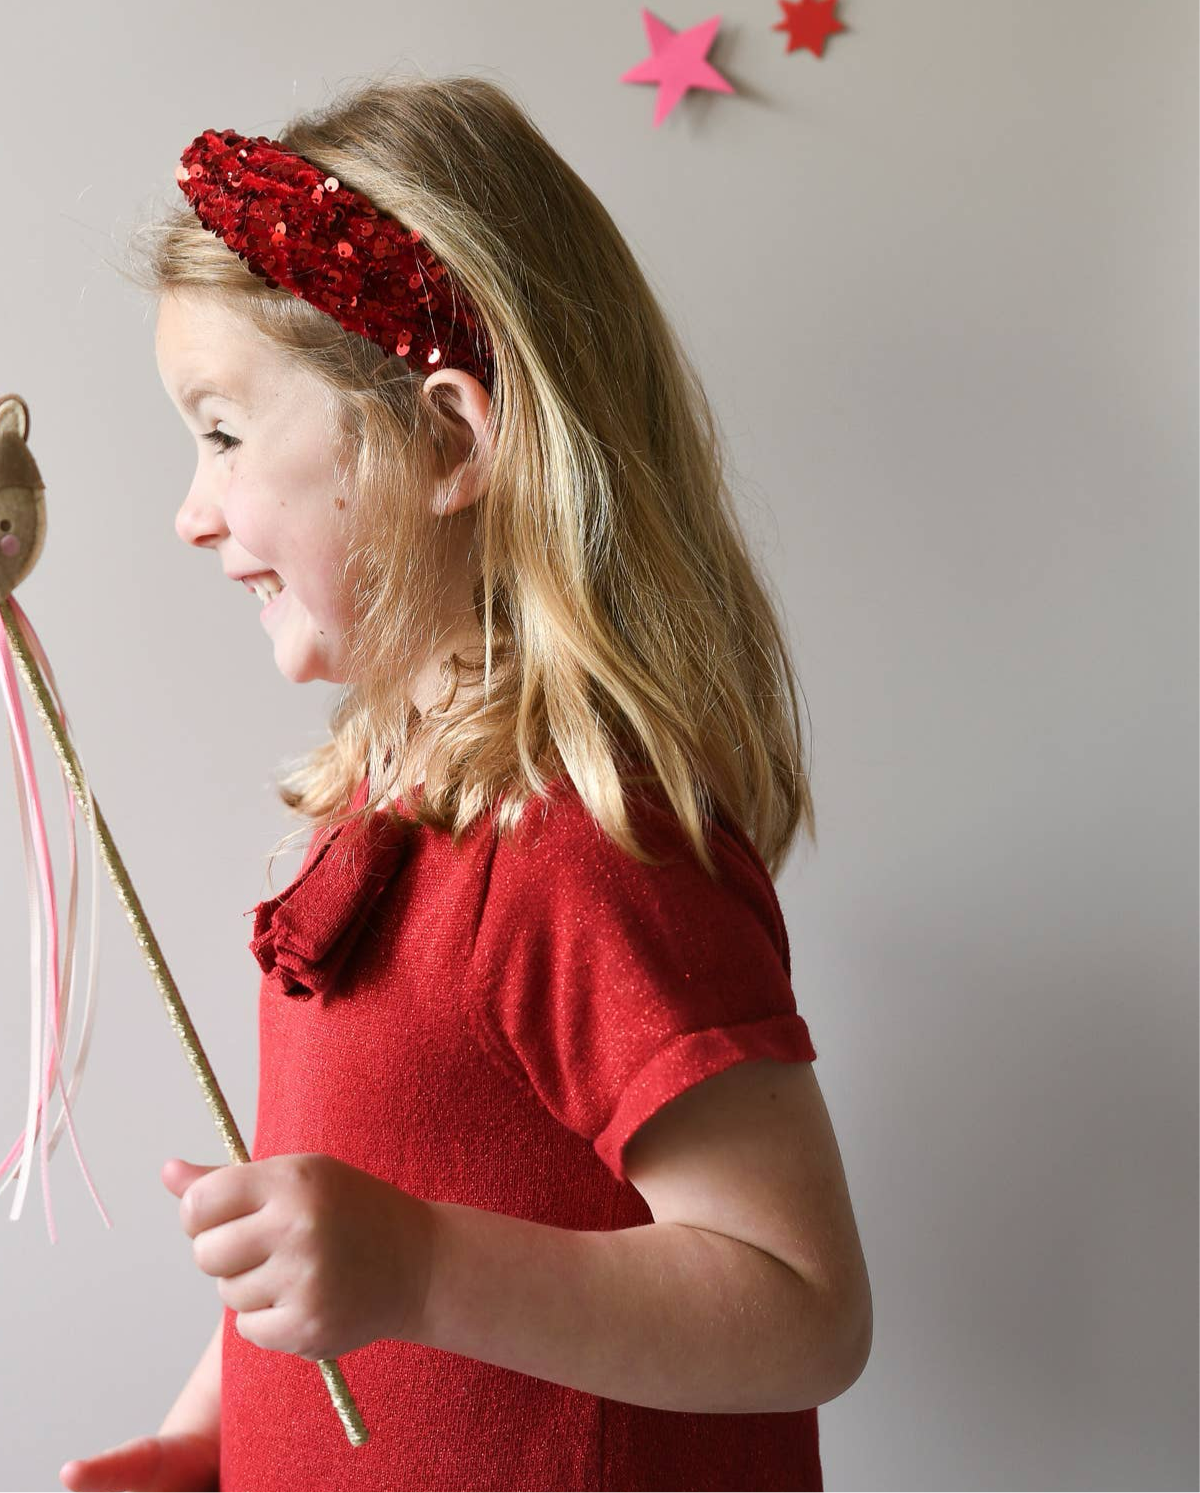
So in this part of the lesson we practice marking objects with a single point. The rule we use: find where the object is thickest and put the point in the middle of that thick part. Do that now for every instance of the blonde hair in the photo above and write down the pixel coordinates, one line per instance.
(623, 623)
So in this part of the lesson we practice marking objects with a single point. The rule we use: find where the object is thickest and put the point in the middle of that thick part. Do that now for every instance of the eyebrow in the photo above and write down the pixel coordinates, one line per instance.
(193, 396)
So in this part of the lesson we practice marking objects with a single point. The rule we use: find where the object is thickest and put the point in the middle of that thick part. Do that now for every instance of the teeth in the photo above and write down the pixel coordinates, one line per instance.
(267, 587)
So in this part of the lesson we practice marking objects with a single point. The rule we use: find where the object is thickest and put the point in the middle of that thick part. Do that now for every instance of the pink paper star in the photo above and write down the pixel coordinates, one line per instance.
(677, 62)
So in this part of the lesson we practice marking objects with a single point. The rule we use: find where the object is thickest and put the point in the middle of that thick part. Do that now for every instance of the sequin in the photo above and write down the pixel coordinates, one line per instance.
(371, 273)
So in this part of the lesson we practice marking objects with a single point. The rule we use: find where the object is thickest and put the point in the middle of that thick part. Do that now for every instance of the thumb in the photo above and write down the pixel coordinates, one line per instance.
(177, 1176)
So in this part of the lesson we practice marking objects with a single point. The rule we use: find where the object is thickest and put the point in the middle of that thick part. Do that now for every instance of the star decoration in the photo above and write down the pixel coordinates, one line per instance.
(677, 62)
(809, 23)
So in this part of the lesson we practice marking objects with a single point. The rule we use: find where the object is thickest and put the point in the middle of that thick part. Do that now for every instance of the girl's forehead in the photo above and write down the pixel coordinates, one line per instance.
(204, 349)
(205, 356)
(204, 338)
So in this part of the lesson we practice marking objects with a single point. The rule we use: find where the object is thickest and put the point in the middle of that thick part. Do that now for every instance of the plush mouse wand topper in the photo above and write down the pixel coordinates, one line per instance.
(22, 535)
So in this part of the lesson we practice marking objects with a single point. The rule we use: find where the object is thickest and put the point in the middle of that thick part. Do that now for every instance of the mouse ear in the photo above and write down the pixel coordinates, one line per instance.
(14, 415)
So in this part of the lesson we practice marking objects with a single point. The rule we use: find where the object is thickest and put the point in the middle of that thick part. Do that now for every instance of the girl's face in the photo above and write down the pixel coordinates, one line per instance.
(264, 496)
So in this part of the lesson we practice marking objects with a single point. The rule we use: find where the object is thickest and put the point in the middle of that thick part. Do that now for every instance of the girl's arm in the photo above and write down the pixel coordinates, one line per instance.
(747, 1293)
(664, 1315)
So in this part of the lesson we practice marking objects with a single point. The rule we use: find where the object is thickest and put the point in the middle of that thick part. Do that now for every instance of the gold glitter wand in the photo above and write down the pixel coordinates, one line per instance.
(23, 526)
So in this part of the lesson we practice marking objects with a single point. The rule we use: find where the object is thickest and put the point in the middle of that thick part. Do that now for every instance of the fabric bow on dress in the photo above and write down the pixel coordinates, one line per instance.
(302, 936)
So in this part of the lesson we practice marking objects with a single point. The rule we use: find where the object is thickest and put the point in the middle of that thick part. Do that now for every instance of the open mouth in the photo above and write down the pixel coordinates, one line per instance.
(266, 586)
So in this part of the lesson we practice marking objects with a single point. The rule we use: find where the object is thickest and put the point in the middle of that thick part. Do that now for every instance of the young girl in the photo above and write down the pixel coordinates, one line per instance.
(540, 1154)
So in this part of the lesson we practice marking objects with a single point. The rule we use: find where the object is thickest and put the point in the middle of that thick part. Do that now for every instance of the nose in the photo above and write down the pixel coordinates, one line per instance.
(200, 520)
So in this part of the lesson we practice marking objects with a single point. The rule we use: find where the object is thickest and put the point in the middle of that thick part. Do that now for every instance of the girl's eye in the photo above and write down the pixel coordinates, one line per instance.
(222, 441)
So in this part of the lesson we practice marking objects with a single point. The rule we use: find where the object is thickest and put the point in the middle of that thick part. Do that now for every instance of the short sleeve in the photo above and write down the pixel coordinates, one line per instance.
(613, 986)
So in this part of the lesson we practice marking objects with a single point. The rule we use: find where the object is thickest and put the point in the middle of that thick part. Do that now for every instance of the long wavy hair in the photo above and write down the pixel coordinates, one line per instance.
(625, 634)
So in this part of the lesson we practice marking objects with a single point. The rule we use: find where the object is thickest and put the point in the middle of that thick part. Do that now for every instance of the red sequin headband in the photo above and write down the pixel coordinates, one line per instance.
(296, 226)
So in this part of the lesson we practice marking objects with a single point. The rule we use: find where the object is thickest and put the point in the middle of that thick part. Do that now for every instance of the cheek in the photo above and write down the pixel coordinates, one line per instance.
(248, 518)
(316, 573)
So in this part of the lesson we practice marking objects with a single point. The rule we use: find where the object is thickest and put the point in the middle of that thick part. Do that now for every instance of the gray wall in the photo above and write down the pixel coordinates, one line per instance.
(942, 285)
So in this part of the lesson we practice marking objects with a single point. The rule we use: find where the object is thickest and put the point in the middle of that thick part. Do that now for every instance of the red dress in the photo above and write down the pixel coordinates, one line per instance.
(488, 1025)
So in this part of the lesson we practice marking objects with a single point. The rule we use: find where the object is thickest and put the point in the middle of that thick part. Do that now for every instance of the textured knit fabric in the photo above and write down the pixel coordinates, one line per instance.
(488, 1025)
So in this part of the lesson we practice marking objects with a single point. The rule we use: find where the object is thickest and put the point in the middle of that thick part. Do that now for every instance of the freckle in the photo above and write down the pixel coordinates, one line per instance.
(339, 502)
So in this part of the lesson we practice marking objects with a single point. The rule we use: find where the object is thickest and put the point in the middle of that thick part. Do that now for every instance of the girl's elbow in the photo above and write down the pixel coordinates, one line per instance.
(851, 1334)
(860, 1332)
(862, 1346)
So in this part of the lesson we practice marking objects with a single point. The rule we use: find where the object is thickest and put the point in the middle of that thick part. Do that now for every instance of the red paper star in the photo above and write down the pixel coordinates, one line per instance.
(809, 23)
(677, 62)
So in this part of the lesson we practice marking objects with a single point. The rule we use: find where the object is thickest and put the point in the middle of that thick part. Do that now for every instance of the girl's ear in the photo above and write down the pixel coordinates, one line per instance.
(465, 402)
(461, 397)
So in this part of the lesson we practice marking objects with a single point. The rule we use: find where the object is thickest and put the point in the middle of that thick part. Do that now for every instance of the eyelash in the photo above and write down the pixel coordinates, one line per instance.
(222, 441)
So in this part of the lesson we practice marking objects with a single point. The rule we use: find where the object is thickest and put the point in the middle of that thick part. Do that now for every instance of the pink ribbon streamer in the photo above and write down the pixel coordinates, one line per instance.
(49, 1028)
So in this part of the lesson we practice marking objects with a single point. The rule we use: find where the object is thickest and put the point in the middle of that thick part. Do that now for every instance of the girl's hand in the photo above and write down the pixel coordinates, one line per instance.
(316, 1257)
(185, 1461)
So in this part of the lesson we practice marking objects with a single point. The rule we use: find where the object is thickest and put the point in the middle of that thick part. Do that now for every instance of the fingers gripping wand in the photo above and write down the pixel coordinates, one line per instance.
(22, 535)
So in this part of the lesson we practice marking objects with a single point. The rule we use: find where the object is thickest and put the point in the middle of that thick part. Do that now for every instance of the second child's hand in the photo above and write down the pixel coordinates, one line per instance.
(315, 1256)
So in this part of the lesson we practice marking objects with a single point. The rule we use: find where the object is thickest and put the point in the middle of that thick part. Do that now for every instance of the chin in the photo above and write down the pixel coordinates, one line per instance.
(306, 663)
(303, 674)
(310, 669)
